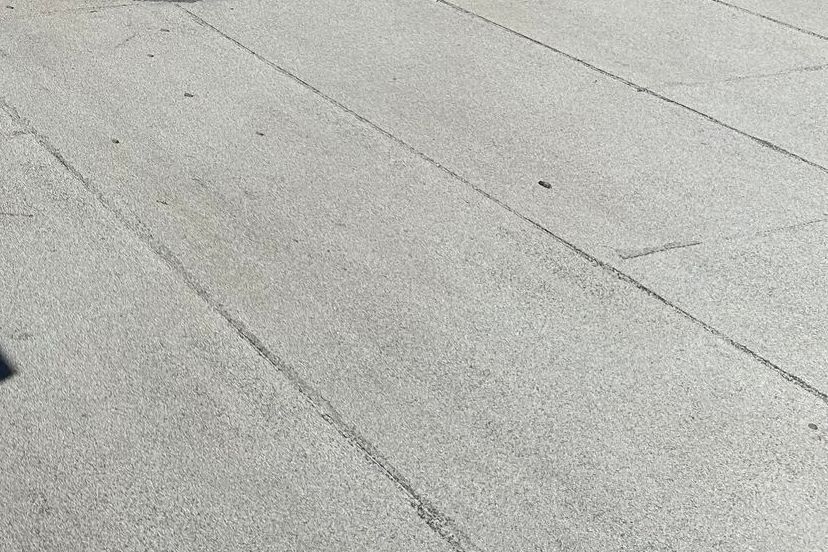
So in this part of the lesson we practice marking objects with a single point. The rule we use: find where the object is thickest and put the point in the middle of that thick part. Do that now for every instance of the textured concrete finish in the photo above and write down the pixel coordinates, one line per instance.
(768, 290)
(138, 419)
(629, 171)
(17, 9)
(625, 181)
(762, 76)
(280, 276)
(805, 15)
(790, 109)
(655, 41)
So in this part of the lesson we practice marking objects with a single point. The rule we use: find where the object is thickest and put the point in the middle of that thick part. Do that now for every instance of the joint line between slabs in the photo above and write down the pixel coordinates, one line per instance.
(637, 87)
(615, 272)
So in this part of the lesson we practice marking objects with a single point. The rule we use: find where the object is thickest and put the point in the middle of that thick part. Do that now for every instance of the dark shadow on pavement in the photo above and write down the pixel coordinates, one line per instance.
(6, 370)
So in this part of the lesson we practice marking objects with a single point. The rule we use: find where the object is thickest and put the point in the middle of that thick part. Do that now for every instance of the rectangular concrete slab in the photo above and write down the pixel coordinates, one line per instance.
(138, 419)
(809, 15)
(789, 109)
(662, 45)
(767, 291)
(655, 41)
(538, 400)
(626, 170)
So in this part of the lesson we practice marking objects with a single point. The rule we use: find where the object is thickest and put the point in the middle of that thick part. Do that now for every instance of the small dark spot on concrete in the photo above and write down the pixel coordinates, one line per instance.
(150, 55)
(260, 133)
(116, 141)
(11, 214)
(813, 426)
(10, 7)
(162, 202)
(163, 30)
(188, 95)
(545, 184)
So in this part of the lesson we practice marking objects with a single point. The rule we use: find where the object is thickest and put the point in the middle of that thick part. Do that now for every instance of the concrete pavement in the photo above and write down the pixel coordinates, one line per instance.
(279, 276)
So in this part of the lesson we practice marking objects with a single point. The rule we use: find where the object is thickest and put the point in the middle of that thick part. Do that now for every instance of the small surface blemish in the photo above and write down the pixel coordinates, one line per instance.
(116, 141)
(161, 201)
(545, 184)
(188, 95)
(150, 55)
(813, 426)
(163, 30)
(259, 133)
(13, 214)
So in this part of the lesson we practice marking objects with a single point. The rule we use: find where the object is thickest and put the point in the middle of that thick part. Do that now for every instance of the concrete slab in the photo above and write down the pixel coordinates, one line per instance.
(788, 109)
(809, 15)
(767, 291)
(538, 400)
(651, 41)
(138, 419)
(627, 170)
(17, 9)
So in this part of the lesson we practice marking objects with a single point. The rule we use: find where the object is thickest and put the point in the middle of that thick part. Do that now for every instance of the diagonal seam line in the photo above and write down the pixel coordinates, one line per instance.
(612, 270)
(771, 19)
(794, 71)
(434, 518)
(637, 87)
(634, 254)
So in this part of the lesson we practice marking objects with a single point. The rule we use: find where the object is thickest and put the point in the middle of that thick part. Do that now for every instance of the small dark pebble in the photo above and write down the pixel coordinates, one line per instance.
(10, 7)
(165, 30)
(260, 133)
(116, 141)
(150, 55)
(813, 426)
(545, 184)
(188, 95)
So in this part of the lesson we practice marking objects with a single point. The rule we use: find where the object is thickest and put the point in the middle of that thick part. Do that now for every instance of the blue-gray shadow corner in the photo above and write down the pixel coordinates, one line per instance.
(6, 369)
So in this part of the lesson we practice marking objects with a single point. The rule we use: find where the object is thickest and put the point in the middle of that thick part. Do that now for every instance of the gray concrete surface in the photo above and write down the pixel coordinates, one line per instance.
(804, 15)
(733, 61)
(629, 171)
(767, 290)
(280, 276)
(139, 420)
(651, 42)
(788, 108)
(625, 181)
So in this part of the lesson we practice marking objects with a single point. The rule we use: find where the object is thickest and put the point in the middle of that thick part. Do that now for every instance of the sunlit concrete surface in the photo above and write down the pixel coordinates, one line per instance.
(281, 275)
